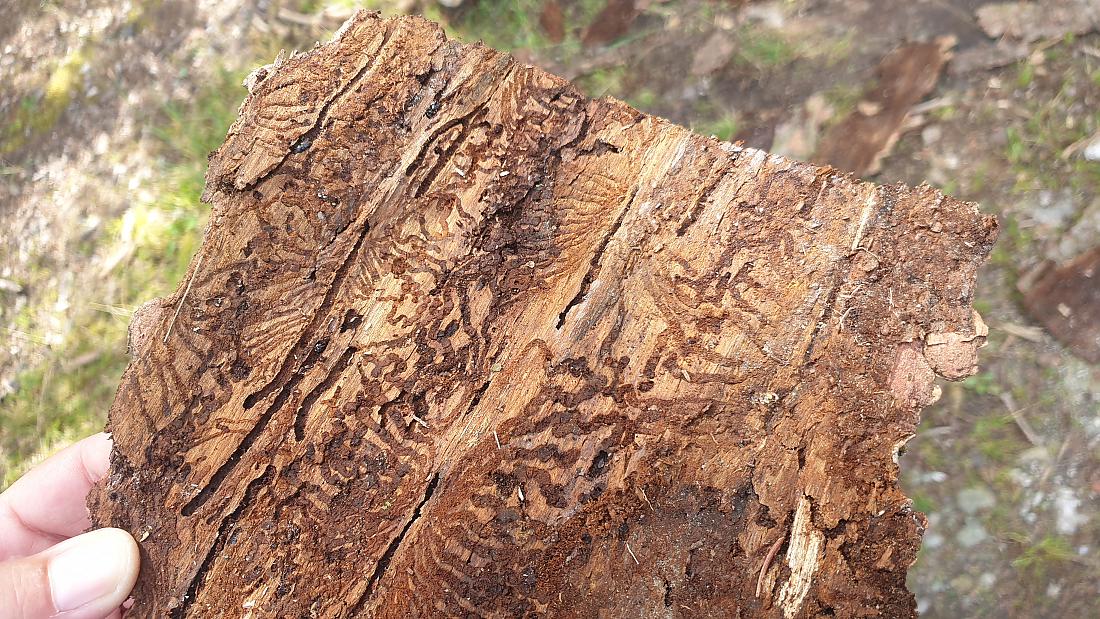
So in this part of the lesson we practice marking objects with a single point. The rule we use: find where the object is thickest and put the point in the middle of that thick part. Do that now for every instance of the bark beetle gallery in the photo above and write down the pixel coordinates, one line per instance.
(462, 342)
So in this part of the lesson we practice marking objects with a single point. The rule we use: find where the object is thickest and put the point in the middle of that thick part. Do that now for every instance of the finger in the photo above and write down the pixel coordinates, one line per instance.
(48, 503)
(86, 577)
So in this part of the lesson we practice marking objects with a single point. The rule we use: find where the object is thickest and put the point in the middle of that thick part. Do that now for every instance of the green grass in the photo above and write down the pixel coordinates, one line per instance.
(923, 503)
(1034, 146)
(165, 232)
(724, 127)
(602, 82)
(512, 25)
(67, 395)
(1025, 74)
(502, 25)
(764, 48)
(842, 98)
(1013, 242)
(995, 438)
(1016, 149)
(645, 100)
(36, 115)
(1040, 557)
(982, 384)
(711, 117)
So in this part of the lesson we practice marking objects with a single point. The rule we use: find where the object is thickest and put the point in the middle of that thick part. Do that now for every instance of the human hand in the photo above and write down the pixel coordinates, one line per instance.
(47, 567)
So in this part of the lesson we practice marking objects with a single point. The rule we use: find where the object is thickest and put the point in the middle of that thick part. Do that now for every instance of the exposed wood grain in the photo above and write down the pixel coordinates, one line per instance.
(462, 341)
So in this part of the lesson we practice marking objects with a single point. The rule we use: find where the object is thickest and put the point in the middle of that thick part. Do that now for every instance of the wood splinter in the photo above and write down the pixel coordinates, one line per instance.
(767, 563)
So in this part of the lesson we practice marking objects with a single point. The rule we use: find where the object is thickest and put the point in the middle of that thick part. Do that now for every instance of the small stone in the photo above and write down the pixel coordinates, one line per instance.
(933, 540)
(975, 498)
(1054, 208)
(1069, 517)
(1092, 149)
(931, 134)
(972, 534)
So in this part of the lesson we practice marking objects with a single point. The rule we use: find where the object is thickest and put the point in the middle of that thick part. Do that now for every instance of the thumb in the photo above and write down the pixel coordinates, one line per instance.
(85, 577)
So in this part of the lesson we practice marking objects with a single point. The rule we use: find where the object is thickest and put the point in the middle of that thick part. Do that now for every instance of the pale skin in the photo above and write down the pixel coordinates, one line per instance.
(49, 566)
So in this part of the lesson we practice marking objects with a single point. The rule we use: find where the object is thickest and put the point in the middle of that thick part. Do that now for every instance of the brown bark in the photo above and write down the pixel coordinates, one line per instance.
(461, 341)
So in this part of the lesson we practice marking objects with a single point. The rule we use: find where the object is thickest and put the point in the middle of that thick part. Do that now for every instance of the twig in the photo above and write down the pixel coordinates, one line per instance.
(496, 438)
(27, 336)
(1074, 148)
(186, 291)
(932, 104)
(113, 310)
(1053, 464)
(632, 555)
(1017, 415)
(1029, 333)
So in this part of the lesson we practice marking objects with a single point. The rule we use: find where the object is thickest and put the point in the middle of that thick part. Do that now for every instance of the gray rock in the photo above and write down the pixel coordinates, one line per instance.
(975, 498)
(971, 534)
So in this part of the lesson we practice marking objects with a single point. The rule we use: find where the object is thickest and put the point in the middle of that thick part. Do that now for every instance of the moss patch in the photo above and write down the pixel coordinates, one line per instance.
(37, 114)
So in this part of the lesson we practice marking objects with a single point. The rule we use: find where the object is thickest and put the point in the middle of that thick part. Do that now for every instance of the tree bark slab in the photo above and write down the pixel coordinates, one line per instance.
(460, 341)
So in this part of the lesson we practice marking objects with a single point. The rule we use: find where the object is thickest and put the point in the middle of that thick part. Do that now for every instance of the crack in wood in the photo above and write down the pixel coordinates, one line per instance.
(467, 122)
(700, 204)
(288, 378)
(302, 414)
(391, 550)
(594, 264)
(843, 266)
(220, 541)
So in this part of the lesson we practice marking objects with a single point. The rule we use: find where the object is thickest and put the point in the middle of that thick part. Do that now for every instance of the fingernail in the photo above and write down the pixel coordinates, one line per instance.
(89, 567)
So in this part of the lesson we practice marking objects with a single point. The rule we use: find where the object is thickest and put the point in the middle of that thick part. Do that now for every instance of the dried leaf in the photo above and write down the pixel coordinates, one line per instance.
(1066, 300)
(613, 22)
(713, 54)
(906, 75)
(552, 21)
